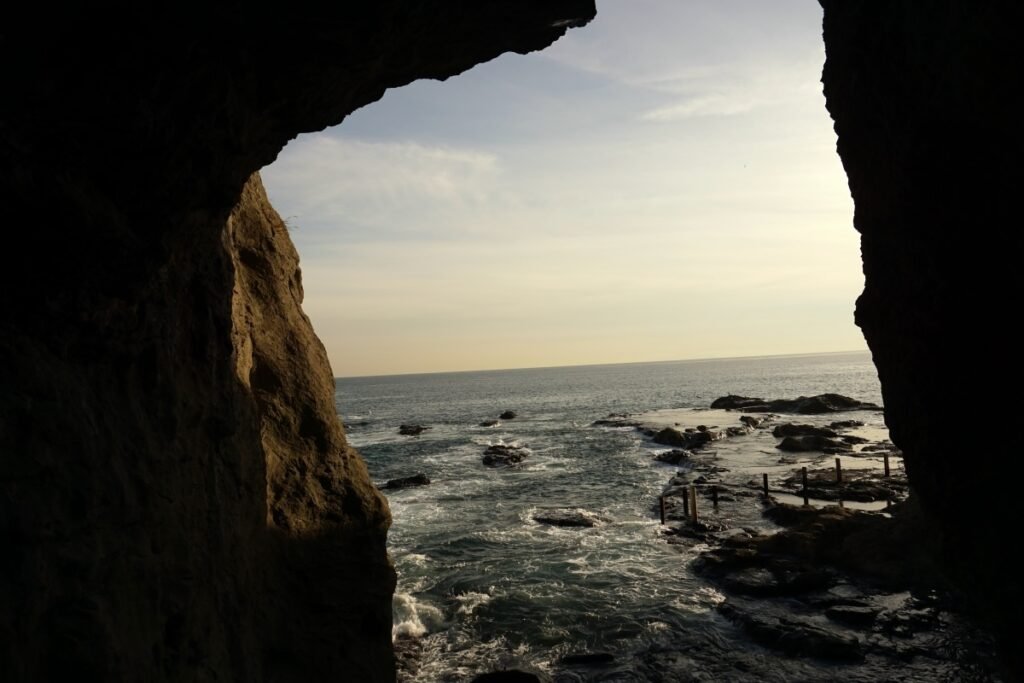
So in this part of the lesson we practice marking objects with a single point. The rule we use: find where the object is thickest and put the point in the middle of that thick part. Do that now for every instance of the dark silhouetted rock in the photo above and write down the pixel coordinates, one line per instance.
(490, 423)
(853, 615)
(669, 436)
(753, 422)
(846, 424)
(803, 405)
(499, 455)
(802, 444)
(412, 430)
(790, 429)
(512, 676)
(406, 482)
(508, 415)
(588, 659)
(733, 402)
(568, 518)
(794, 636)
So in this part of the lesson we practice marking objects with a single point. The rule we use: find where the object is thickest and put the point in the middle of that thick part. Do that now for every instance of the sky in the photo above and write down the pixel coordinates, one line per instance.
(661, 184)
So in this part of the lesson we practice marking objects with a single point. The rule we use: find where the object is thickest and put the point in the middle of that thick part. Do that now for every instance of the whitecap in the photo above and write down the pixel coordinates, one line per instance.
(412, 618)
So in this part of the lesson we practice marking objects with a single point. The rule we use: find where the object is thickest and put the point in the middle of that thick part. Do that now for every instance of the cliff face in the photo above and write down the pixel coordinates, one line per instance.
(177, 498)
(926, 111)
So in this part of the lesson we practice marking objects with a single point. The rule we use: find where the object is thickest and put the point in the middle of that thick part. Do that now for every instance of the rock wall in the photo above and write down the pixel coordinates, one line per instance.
(177, 498)
(927, 113)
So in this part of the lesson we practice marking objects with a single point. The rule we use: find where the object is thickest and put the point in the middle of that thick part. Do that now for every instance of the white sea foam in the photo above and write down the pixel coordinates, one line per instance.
(412, 618)
(468, 602)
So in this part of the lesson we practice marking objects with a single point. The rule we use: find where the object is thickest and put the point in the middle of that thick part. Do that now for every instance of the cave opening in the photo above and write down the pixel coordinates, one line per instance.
(546, 210)
(178, 499)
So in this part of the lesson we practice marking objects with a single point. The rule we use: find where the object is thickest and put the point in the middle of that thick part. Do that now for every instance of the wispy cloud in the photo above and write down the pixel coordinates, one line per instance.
(346, 182)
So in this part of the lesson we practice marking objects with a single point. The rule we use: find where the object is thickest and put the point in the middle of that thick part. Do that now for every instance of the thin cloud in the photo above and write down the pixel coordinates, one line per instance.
(342, 181)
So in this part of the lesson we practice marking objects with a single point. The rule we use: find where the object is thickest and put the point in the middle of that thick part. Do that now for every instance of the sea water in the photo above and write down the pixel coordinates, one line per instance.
(482, 585)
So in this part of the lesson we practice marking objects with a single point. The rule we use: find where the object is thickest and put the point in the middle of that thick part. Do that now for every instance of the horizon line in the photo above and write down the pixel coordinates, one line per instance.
(595, 365)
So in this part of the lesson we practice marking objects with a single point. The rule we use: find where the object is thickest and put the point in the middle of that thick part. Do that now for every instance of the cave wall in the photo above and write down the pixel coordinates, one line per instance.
(926, 105)
(177, 497)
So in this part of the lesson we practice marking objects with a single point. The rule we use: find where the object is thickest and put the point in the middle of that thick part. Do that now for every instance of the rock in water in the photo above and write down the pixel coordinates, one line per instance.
(490, 423)
(499, 455)
(568, 518)
(802, 444)
(673, 457)
(802, 405)
(406, 482)
(790, 429)
(508, 415)
(412, 430)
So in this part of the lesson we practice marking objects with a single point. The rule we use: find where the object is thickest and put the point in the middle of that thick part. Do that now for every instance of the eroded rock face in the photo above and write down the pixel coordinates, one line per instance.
(930, 137)
(177, 498)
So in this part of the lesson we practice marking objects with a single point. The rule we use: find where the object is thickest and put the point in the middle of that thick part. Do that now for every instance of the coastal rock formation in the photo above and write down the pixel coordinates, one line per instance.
(406, 482)
(568, 518)
(790, 429)
(177, 497)
(177, 500)
(802, 405)
(801, 444)
(930, 136)
(411, 430)
(501, 455)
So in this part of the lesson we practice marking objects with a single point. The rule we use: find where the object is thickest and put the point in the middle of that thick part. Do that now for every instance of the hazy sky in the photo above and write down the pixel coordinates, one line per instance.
(661, 184)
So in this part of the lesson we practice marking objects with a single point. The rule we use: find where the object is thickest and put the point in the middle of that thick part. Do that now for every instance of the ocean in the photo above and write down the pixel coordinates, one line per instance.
(482, 585)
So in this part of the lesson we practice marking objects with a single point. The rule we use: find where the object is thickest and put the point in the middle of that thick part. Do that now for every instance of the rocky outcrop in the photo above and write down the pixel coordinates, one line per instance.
(569, 518)
(802, 405)
(930, 136)
(407, 482)
(177, 498)
(500, 455)
(411, 430)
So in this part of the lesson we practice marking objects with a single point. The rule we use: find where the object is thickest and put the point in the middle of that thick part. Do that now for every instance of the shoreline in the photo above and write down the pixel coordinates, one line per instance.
(826, 581)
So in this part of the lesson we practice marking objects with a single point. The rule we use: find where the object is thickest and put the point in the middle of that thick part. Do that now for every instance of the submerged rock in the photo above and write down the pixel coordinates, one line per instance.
(753, 422)
(587, 658)
(673, 457)
(669, 436)
(411, 430)
(490, 423)
(406, 482)
(846, 424)
(803, 444)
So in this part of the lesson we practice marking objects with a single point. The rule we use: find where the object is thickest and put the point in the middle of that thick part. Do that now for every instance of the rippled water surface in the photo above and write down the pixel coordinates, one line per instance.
(481, 584)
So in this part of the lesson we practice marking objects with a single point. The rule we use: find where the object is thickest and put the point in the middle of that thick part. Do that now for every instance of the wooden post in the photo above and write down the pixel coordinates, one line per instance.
(686, 502)
(714, 496)
(803, 475)
(765, 480)
(885, 459)
(661, 504)
(839, 472)
(693, 502)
